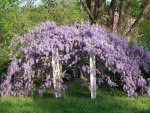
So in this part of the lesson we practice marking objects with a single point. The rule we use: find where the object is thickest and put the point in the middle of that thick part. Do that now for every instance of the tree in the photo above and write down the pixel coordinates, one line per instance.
(7, 12)
(29, 3)
(49, 3)
(64, 11)
(100, 11)
(142, 15)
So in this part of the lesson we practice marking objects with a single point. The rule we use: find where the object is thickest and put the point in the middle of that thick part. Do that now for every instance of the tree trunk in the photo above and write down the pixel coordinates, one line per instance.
(111, 14)
(102, 8)
(101, 13)
(92, 6)
(92, 76)
(97, 11)
(121, 17)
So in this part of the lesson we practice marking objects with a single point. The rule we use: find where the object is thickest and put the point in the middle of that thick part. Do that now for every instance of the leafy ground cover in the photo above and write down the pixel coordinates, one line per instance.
(78, 101)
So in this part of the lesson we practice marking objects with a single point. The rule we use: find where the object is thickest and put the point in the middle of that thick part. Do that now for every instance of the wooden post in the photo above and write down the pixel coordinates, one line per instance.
(92, 76)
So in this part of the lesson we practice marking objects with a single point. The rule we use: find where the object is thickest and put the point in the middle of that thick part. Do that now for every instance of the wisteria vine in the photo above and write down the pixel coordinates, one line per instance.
(31, 66)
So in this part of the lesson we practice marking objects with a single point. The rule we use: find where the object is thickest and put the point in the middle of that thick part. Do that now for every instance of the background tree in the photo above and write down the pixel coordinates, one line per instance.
(64, 11)
(102, 12)
(29, 3)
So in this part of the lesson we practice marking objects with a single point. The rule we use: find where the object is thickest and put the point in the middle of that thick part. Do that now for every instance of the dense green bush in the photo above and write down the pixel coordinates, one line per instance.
(4, 59)
(144, 30)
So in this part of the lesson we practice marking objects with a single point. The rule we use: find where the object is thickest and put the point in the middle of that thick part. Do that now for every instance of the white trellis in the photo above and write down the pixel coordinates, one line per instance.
(56, 70)
(92, 76)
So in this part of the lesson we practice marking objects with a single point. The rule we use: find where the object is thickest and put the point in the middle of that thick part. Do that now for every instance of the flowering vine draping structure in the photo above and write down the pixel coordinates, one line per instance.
(33, 64)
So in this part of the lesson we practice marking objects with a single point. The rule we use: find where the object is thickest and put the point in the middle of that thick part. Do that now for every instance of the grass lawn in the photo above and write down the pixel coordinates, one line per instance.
(78, 101)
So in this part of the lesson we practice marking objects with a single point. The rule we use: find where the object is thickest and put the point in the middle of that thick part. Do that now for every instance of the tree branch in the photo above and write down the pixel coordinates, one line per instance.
(86, 80)
(129, 9)
(142, 15)
(87, 9)
(127, 16)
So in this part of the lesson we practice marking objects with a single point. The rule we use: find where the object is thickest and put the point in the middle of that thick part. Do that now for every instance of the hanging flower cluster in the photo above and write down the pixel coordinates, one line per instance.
(31, 66)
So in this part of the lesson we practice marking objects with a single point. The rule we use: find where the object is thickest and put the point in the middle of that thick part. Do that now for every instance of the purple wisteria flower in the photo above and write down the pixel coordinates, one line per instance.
(75, 42)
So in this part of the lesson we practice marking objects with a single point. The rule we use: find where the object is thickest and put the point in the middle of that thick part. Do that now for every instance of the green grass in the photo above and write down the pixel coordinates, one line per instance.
(78, 101)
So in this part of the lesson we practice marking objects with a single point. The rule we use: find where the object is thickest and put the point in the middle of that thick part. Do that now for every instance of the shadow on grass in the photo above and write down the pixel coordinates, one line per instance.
(78, 91)
(78, 101)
